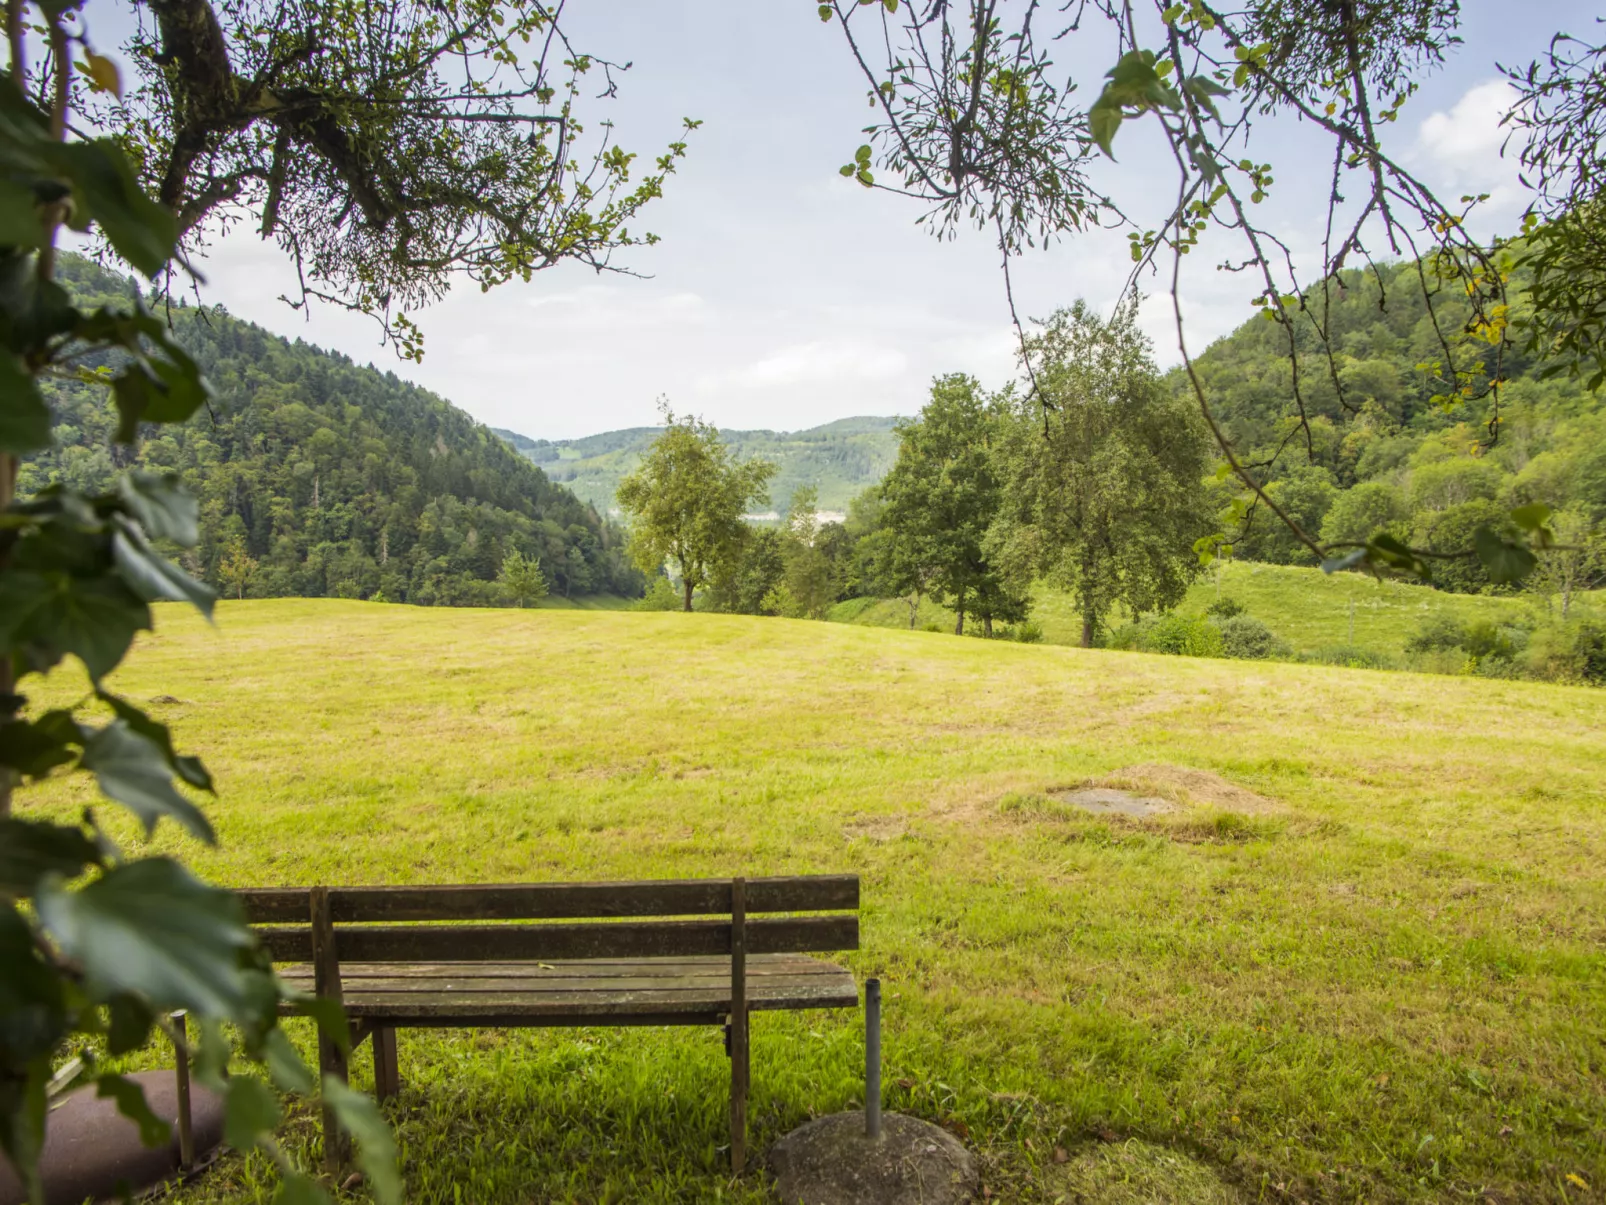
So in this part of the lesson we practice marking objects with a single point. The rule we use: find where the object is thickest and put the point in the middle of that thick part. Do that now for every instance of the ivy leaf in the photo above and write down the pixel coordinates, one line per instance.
(151, 928)
(250, 1111)
(141, 230)
(45, 616)
(131, 1103)
(164, 508)
(155, 578)
(34, 749)
(134, 770)
(284, 1064)
(32, 849)
(189, 769)
(376, 1145)
(130, 1024)
(1503, 560)
(24, 417)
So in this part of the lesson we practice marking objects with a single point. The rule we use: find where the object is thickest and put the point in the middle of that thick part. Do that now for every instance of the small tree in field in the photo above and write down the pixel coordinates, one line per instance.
(237, 568)
(522, 579)
(685, 501)
(1105, 494)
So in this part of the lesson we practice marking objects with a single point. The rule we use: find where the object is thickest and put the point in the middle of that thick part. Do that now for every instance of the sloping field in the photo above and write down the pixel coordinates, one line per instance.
(1309, 609)
(1360, 960)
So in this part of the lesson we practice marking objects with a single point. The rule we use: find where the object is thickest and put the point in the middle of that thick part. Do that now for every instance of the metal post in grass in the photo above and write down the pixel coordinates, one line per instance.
(181, 1071)
(872, 1058)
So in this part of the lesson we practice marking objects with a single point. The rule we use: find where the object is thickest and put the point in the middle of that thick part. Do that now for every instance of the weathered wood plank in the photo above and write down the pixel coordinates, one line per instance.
(618, 983)
(326, 980)
(399, 1006)
(556, 901)
(478, 943)
(757, 964)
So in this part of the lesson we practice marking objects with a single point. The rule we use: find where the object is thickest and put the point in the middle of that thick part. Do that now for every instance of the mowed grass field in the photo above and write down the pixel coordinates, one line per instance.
(1309, 609)
(1361, 961)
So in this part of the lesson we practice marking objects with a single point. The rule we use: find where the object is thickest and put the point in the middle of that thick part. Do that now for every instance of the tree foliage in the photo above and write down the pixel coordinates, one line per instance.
(98, 945)
(338, 480)
(1105, 492)
(977, 122)
(686, 500)
(942, 495)
(389, 146)
(521, 579)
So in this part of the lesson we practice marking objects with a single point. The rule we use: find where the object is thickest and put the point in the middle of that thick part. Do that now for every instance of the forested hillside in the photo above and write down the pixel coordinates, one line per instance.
(319, 477)
(1381, 452)
(839, 459)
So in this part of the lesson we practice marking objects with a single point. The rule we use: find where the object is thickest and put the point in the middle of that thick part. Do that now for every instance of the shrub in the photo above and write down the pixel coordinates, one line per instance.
(1486, 639)
(1183, 635)
(1028, 632)
(1569, 652)
(1245, 637)
(660, 596)
(1350, 656)
(1437, 633)
(779, 600)
(1225, 608)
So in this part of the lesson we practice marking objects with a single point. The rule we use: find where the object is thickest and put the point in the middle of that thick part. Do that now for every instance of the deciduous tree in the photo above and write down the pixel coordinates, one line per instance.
(1105, 493)
(686, 500)
(522, 579)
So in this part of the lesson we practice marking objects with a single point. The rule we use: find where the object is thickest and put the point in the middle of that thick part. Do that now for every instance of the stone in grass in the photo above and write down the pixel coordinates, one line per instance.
(830, 1161)
(91, 1149)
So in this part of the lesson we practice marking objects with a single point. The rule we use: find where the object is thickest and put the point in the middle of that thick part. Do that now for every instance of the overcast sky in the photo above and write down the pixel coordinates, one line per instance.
(783, 296)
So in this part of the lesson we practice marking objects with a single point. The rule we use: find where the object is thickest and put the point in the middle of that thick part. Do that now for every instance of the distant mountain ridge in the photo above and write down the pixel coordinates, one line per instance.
(839, 458)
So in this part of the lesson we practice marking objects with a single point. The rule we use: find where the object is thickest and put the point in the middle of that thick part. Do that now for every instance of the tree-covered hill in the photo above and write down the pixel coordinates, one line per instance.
(1381, 451)
(839, 459)
(320, 477)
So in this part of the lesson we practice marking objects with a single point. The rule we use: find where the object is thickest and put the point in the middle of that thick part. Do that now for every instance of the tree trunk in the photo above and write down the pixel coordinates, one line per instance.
(686, 584)
(914, 610)
(987, 626)
(959, 606)
(1090, 625)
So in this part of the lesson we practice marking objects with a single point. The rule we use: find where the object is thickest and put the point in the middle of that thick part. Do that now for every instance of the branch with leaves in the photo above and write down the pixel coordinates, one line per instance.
(99, 945)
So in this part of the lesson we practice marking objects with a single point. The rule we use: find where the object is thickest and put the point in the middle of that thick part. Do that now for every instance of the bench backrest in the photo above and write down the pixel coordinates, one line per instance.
(622, 920)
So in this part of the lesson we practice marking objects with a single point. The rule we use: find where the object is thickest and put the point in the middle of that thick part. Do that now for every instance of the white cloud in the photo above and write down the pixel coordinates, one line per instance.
(821, 361)
(1460, 150)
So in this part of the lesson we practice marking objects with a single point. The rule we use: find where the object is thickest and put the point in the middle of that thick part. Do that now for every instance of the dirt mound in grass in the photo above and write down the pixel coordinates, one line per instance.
(1183, 786)
(1137, 1173)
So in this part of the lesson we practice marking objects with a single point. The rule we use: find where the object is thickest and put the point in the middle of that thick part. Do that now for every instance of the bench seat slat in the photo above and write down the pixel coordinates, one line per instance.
(555, 901)
(555, 991)
(480, 943)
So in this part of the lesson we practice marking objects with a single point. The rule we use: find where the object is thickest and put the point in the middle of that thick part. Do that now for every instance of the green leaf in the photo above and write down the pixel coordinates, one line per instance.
(155, 578)
(130, 1024)
(139, 229)
(32, 849)
(45, 616)
(134, 770)
(825, 12)
(164, 508)
(151, 928)
(34, 749)
(24, 417)
(33, 1004)
(250, 1112)
(22, 1122)
(297, 1189)
(1532, 517)
(1103, 122)
(19, 216)
(326, 1013)
(131, 1103)
(284, 1064)
(189, 769)
(1504, 560)
(376, 1145)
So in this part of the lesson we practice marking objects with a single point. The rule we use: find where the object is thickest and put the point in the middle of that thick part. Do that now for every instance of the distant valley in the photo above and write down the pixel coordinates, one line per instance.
(840, 459)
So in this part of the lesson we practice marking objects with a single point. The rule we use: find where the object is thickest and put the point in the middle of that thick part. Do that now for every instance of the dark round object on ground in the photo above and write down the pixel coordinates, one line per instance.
(829, 1161)
(91, 1149)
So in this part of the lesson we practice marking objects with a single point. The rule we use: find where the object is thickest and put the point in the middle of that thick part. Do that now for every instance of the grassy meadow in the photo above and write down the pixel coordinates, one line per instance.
(1309, 609)
(1362, 960)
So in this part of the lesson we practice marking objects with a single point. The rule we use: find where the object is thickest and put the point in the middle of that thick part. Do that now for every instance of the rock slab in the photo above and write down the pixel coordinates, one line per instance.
(91, 1149)
(830, 1161)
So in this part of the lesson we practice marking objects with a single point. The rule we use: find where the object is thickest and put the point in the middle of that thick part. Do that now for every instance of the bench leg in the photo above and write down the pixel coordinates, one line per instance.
(739, 1080)
(387, 1075)
(332, 1061)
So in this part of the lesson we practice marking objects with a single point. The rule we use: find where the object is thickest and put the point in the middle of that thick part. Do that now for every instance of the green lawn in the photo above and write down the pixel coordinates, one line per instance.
(1308, 608)
(1363, 961)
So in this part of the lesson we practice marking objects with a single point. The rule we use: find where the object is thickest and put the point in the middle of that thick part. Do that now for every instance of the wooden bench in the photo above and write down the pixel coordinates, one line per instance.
(423, 956)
